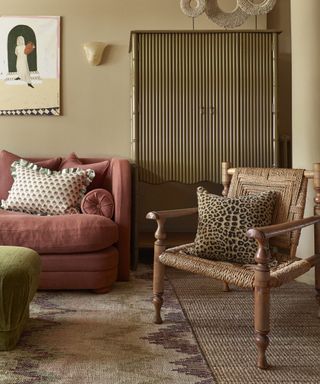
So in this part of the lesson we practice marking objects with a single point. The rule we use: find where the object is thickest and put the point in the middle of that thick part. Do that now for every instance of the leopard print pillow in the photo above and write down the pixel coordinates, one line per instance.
(223, 224)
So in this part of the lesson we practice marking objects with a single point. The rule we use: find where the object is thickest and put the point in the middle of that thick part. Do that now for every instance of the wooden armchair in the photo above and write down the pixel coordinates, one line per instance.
(281, 239)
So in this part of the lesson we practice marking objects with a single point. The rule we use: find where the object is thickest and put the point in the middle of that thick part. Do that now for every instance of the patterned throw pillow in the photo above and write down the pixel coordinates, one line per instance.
(7, 158)
(38, 190)
(223, 224)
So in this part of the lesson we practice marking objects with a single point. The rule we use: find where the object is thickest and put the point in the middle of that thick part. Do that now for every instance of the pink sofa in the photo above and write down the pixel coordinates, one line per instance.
(81, 251)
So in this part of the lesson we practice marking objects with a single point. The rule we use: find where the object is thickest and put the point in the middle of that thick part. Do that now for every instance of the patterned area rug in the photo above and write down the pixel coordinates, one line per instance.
(81, 337)
(223, 325)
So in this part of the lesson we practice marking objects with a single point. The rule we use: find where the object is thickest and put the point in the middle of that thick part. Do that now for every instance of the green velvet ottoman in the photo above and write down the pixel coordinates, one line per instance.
(19, 278)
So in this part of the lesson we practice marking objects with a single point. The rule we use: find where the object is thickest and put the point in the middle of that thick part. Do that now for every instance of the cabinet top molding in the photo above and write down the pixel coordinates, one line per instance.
(207, 31)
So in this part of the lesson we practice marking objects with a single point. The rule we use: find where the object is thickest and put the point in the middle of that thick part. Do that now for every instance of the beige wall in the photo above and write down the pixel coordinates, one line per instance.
(279, 18)
(95, 100)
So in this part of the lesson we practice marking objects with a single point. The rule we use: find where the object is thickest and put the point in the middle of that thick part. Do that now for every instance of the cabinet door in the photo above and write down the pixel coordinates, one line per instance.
(243, 94)
(172, 107)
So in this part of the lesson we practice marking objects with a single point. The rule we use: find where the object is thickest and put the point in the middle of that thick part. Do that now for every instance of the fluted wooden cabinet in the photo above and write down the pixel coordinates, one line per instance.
(202, 97)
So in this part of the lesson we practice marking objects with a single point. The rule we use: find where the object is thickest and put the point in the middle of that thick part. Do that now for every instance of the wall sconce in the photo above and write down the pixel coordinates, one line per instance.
(94, 51)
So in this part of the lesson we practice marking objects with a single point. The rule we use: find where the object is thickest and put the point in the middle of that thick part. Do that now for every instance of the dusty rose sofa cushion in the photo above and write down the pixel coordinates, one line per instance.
(7, 158)
(57, 234)
(100, 169)
(98, 202)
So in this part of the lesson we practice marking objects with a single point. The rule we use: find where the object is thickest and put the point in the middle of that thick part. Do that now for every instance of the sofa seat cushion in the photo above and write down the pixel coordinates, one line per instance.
(57, 234)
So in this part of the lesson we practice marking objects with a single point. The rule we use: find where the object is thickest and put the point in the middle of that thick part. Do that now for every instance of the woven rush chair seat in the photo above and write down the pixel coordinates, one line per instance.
(232, 273)
(276, 239)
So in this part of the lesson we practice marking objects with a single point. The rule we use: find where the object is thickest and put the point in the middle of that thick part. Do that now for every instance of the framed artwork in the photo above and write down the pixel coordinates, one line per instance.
(29, 65)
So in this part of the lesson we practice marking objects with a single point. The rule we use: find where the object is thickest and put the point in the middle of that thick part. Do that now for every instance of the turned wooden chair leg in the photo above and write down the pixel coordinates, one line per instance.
(262, 301)
(262, 324)
(158, 271)
(158, 287)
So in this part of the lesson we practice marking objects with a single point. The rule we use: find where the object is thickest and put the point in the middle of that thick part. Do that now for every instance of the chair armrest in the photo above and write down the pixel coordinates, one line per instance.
(279, 229)
(163, 215)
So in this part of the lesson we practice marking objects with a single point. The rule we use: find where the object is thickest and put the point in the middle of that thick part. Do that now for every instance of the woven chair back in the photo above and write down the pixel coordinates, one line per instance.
(291, 188)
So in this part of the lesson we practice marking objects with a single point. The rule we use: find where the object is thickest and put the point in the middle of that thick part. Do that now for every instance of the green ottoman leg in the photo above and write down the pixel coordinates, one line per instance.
(19, 279)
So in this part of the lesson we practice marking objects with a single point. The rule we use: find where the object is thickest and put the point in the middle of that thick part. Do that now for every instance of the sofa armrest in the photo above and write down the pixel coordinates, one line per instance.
(121, 191)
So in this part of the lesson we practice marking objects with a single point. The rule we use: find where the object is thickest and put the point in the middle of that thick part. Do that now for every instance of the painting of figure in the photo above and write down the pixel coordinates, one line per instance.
(21, 51)
(29, 65)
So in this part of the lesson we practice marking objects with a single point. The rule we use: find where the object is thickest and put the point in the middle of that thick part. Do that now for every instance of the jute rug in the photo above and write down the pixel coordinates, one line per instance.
(223, 325)
(80, 337)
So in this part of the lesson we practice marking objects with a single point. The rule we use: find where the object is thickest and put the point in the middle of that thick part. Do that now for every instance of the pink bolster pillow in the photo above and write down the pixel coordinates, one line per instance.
(98, 202)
